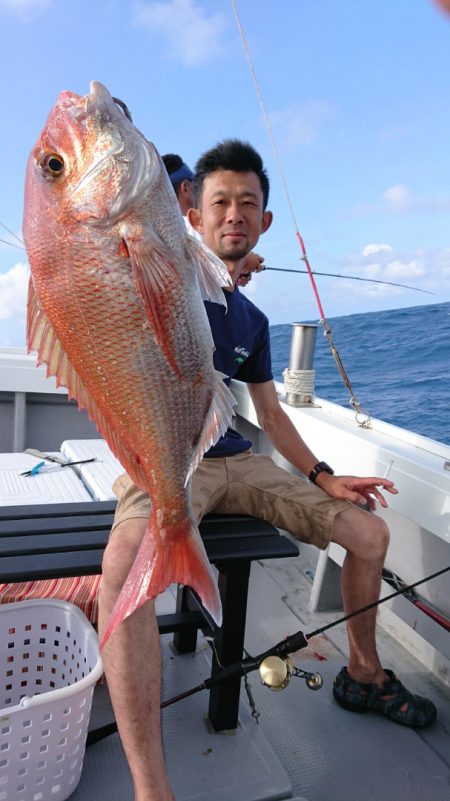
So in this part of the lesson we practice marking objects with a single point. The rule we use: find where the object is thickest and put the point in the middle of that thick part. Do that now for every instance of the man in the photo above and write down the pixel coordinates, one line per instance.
(181, 178)
(231, 189)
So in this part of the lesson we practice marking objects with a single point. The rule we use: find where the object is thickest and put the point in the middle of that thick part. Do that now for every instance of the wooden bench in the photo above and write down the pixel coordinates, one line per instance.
(59, 540)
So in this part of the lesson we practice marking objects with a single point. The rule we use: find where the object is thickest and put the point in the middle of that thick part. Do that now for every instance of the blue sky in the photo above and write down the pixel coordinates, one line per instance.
(358, 96)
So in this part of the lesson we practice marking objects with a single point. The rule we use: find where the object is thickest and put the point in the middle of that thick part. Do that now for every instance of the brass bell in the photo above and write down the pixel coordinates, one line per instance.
(276, 672)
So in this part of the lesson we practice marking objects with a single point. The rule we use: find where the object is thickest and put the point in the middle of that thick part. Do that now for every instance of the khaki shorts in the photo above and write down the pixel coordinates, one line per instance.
(247, 484)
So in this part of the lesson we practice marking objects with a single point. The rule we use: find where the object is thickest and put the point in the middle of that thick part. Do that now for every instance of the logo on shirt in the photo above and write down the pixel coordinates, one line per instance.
(242, 354)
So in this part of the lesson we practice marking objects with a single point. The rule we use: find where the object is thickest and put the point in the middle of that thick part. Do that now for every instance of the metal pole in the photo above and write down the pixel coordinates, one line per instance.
(19, 424)
(303, 344)
(299, 377)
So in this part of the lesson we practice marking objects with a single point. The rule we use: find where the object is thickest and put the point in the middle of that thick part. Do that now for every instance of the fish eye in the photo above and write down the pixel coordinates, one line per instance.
(52, 164)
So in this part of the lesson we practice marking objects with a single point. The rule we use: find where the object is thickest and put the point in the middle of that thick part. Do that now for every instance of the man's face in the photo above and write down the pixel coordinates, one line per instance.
(231, 216)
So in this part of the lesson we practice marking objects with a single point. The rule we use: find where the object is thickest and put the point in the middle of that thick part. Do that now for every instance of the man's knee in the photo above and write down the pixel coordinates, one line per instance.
(121, 551)
(379, 537)
(362, 534)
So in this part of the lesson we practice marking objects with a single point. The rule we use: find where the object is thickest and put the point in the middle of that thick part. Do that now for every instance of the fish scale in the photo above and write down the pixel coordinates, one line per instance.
(116, 312)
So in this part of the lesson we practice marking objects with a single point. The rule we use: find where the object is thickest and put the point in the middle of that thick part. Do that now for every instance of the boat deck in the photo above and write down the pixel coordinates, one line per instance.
(305, 746)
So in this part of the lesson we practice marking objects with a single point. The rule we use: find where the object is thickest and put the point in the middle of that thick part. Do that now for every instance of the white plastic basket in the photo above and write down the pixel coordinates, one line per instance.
(49, 663)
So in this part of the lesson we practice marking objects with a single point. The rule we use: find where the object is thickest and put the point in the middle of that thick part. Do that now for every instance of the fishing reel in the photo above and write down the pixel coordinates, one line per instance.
(276, 672)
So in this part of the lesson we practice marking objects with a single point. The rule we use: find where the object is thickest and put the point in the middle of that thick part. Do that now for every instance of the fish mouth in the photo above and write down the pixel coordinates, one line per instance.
(99, 103)
(99, 95)
(125, 145)
(97, 100)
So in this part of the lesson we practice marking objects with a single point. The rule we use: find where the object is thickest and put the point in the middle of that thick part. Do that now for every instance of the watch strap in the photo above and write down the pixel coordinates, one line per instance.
(320, 467)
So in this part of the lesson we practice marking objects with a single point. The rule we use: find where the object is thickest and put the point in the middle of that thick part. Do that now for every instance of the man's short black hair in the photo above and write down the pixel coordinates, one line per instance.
(232, 154)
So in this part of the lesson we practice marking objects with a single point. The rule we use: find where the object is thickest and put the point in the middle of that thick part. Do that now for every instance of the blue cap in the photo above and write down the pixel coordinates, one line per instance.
(182, 174)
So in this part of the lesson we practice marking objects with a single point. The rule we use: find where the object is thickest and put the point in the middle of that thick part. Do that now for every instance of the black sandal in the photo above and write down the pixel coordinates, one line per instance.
(388, 700)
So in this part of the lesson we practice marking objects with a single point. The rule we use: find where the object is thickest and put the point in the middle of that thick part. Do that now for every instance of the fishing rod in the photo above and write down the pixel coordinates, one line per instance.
(350, 277)
(274, 665)
(363, 418)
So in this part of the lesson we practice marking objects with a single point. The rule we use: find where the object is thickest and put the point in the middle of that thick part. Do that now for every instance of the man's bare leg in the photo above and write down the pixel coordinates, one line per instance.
(132, 662)
(365, 538)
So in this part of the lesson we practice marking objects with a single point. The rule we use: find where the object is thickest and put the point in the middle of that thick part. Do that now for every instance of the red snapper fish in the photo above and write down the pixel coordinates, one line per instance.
(115, 311)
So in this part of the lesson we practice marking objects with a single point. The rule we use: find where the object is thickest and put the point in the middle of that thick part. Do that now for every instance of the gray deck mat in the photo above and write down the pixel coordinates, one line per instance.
(203, 766)
(331, 754)
(327, 754)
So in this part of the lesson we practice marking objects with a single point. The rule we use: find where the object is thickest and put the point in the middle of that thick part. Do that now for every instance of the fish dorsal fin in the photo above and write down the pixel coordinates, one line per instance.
(216, 422)
(156, 279)
(41, 337)
(212, 273)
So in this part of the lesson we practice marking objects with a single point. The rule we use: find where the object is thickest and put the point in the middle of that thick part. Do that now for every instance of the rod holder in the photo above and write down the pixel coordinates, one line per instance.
(299, 376)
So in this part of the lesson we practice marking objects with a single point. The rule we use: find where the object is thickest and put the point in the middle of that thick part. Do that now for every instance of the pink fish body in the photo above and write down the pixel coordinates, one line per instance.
(116, 312)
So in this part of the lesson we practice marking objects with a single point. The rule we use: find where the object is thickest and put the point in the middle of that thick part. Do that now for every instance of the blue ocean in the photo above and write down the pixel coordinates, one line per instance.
(398, 363)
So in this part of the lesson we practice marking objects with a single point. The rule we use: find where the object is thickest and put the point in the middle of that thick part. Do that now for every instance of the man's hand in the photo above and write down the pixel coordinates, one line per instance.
(356, 489)
(253, 264)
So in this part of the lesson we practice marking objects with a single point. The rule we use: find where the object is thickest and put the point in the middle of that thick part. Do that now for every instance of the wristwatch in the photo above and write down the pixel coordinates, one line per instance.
(321, 467)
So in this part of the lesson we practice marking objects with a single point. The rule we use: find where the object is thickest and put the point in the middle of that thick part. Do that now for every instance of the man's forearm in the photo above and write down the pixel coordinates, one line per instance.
(286, 439)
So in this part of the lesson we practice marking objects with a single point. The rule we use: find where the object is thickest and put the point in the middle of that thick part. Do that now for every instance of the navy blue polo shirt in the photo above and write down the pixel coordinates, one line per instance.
(241, 337)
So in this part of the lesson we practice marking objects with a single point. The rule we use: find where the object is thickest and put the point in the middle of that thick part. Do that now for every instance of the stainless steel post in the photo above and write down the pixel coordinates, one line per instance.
(301, 359)
(19, 424)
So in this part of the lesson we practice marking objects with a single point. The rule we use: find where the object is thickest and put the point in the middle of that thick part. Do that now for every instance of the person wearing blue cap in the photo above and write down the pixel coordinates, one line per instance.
(181, 178)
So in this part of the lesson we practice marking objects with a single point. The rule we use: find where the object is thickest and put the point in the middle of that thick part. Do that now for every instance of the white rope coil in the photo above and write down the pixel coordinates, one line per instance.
(300, 383)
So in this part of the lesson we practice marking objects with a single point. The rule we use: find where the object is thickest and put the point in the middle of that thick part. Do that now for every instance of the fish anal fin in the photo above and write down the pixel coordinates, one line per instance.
(42, 338)
(181, 558)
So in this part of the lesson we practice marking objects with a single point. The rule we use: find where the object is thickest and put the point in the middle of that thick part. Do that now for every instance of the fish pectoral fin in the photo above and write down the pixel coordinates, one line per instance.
(178, 558)
(217, 420)
(156, 280)
(212, 274)
(42, 338)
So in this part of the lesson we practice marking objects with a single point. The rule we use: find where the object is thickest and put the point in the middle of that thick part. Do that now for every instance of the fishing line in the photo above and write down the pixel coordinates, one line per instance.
(349, 277)
(12, 234)
(365, 420)
(12, 244)
(289, 645)
(277, 157)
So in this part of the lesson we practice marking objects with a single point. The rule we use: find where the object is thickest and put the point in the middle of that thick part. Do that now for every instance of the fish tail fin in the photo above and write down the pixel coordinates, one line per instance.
(181, 559)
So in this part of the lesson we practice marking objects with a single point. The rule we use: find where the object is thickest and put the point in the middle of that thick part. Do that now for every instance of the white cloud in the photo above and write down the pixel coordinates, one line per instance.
(301, 125)
(13, 291)
(192, 35)
(398, 198)
(403, 269)
(421, 269)
(372, 270)
(370, 250)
